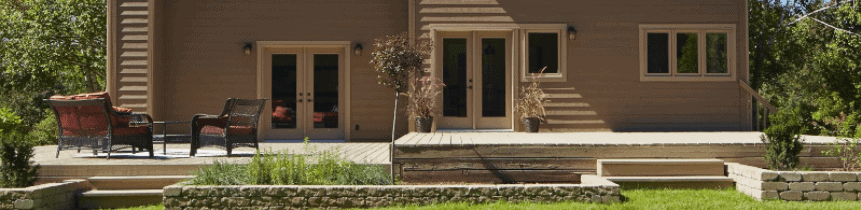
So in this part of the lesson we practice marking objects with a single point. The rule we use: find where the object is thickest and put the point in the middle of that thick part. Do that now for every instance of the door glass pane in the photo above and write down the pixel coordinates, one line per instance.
(658, 52)
(325, 91)
(454, 77)
(493, 77)
(686, 53)
(544, 51)
(283, 91)
(716, 57)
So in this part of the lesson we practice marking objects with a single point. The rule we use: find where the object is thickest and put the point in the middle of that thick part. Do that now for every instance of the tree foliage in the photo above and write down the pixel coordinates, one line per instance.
(806, 56)
(395, 59)
(50, 47)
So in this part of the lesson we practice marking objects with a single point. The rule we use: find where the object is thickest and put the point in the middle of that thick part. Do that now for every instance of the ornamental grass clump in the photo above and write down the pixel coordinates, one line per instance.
(271, 168)
(531, 103)
(423, 101)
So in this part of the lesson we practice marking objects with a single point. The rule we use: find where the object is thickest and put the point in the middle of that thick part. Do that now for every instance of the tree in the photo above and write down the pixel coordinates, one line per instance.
(396, 60)
(50, 47)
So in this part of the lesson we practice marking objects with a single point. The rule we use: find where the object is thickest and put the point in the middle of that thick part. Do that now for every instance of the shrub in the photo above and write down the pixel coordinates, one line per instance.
(268, 168)
(9, 122)
(844, 149)
(45, 132)
(15, 161)
(783, 140)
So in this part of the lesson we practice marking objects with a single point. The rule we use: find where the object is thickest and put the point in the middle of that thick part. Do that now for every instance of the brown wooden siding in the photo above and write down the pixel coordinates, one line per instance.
(203, 64)
(603, 62)
(187, 58)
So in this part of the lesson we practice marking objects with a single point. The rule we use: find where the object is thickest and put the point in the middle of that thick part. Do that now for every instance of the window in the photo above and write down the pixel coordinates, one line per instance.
(687, 52)
(544, 46)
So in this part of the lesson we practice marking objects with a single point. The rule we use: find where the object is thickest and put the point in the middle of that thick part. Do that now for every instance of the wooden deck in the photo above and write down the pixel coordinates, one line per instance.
(74, 165)
(505, 156)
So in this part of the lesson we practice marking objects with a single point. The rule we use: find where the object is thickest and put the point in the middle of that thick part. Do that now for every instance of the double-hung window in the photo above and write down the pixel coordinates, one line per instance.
(687, 52)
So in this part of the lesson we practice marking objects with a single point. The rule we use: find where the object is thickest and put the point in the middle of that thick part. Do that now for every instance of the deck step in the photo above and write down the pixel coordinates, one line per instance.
(660, 167)
(572, 130)
(570, 112)
(108, 199)
(134, 182)
(676, 182)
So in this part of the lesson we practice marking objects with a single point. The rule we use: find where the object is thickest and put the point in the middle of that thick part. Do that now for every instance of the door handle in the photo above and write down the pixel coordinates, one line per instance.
(300, 100)
(310, 100)
(469, 87)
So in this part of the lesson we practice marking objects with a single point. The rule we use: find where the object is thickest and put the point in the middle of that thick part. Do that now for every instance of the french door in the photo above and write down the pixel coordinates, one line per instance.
(476, 68)
(306, 93)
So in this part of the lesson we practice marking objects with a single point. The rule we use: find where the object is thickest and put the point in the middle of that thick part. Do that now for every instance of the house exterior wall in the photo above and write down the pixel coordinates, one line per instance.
(194, 61)
(603, 61)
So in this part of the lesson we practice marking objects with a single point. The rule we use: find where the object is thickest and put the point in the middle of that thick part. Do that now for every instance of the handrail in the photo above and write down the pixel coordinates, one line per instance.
(757, 96)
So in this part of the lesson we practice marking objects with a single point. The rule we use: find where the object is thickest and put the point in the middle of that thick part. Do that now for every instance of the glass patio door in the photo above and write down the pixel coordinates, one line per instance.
(305, 94)
(476, 68)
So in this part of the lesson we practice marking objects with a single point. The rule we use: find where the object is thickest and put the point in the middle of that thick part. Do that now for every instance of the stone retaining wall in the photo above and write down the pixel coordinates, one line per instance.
(45, 196)
(795, 185)
(596, 190)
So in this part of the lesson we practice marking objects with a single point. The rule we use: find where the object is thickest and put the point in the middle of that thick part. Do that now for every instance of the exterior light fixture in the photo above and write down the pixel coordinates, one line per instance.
(247, 49)
(572, 33)
(357, 50)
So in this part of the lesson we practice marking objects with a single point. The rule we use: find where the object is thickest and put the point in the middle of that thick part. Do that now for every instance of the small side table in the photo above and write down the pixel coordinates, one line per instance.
(164, 137)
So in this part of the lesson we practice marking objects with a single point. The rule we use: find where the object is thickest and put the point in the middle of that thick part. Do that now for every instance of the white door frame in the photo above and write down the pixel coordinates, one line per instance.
(264, 88)
(437, 31)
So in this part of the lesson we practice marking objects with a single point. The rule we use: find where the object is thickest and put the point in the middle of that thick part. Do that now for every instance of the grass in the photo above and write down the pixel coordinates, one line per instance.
(661, 199)
(647, 199)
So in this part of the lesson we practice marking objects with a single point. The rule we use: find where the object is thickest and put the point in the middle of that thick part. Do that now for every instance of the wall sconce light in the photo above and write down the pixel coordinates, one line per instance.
(247, 49)
(357, 50)
(572, 33)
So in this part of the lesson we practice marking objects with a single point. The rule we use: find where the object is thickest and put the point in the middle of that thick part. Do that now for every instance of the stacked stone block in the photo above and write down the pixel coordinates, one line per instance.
(795, 185)
(45, 196)
(304, 197)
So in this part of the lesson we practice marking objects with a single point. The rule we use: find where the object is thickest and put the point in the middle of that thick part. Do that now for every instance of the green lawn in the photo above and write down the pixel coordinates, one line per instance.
(655, 199)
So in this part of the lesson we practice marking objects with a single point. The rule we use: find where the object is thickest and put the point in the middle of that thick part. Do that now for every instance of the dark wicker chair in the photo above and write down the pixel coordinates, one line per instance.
(239, 116)
(91, 122)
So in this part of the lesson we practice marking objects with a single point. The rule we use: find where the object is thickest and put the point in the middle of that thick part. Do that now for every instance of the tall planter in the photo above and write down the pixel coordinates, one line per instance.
(424, 124)
(531, 124)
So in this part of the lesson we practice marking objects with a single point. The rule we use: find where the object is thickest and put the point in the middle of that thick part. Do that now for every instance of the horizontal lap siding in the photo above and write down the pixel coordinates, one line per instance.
(203, 64)
(603, 62)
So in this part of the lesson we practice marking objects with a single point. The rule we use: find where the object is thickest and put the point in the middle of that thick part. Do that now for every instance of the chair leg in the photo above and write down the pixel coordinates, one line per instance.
(150, 150)
(229, 150)
(192, 151)
(58, 152)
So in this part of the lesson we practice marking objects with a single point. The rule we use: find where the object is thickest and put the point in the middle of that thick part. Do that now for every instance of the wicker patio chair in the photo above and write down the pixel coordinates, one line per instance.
(88, 121)
(239, 116)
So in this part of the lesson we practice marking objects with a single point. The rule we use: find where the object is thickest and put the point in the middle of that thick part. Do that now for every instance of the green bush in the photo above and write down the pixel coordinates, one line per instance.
(45, 132)
(783, 139)
(9, 122)
(15, 161)
(319, 168)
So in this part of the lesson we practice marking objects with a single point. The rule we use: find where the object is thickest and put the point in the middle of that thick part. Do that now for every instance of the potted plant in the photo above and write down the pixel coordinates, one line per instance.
(423, 102)
(531, 104)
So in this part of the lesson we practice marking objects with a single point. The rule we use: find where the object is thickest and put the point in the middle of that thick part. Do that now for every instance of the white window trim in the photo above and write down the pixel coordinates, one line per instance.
(701, 75)
(561, 30)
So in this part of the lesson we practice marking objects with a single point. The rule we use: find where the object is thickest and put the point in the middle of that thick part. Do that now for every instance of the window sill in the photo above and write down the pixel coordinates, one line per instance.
(698, 78)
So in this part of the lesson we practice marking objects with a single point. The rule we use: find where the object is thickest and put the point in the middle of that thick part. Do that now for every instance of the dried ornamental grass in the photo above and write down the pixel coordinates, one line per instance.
(423, 99)
(533, 99)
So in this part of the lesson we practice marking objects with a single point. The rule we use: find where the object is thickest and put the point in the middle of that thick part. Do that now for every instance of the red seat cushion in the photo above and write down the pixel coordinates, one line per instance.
(115, 121)
(281, 114)
(123, 131)
(234, 130)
